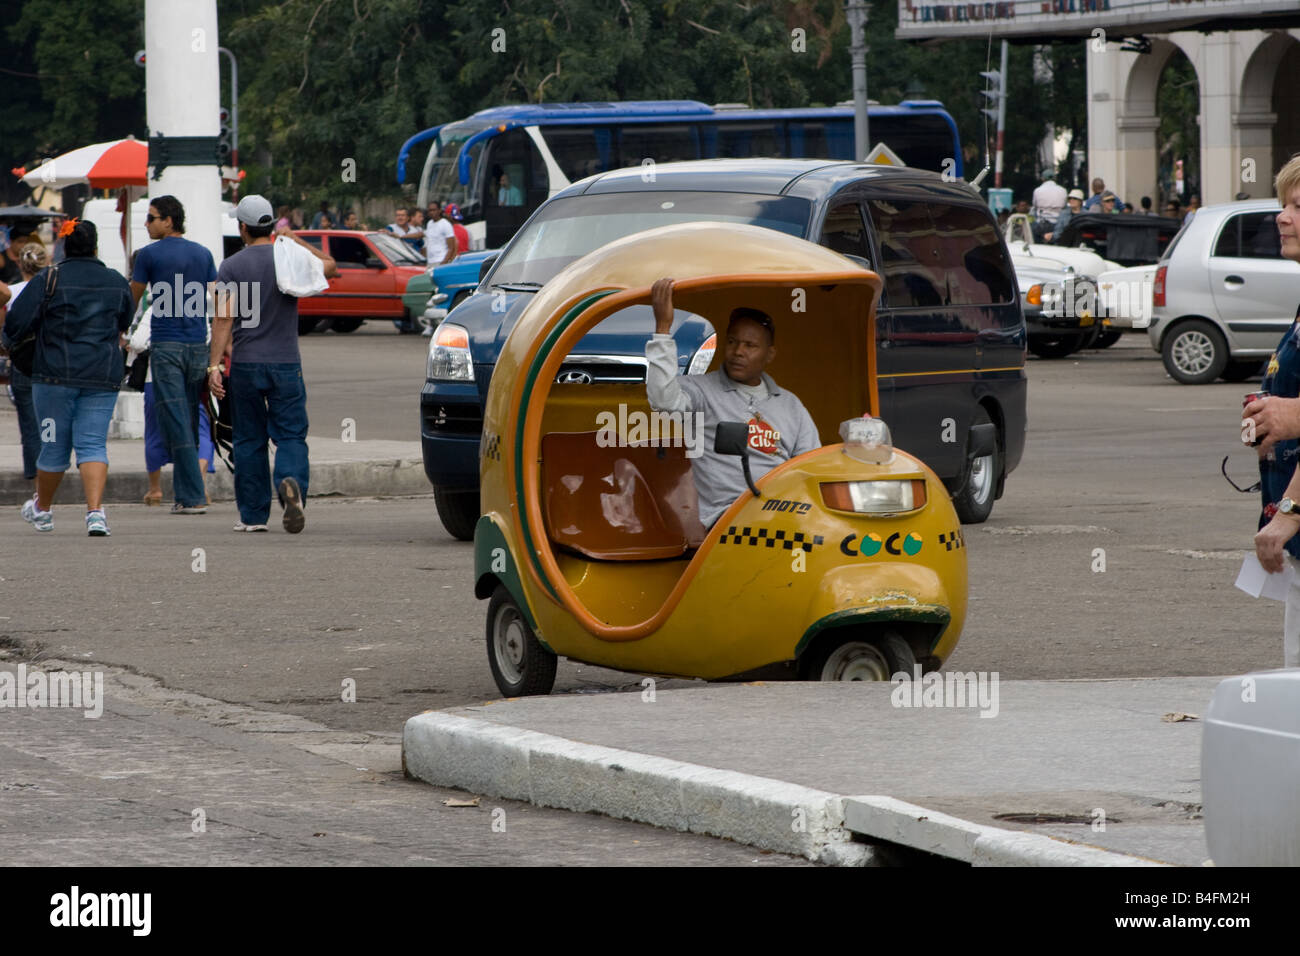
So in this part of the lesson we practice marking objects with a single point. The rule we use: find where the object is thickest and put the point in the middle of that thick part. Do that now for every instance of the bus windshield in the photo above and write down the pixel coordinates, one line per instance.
(441, 180)
(570, 228)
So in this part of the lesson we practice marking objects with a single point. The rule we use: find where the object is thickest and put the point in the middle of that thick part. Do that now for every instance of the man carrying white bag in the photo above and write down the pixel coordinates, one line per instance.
(257, 294)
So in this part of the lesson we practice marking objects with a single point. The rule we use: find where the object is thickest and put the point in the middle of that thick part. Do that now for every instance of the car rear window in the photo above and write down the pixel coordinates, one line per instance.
(940, 254)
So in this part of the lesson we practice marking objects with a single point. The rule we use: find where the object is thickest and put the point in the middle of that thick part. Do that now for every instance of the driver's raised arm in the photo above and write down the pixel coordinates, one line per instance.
(661, 385)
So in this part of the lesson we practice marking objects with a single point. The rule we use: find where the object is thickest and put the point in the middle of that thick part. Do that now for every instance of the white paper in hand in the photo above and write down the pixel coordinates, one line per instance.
(1257, 582)
(297, 272)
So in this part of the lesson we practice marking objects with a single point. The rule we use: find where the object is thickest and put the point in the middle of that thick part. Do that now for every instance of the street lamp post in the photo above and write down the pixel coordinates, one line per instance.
(856, 12)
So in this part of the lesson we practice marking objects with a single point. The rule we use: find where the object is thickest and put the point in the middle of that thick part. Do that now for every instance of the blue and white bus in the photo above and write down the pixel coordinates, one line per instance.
(500, 164)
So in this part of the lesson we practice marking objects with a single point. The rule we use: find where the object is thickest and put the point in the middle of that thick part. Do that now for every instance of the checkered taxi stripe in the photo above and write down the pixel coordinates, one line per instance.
(952, 540)
(755, 537)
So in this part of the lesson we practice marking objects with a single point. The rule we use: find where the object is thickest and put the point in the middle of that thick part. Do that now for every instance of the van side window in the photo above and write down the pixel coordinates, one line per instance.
(979, 272)
(909, 254)
(845, 233)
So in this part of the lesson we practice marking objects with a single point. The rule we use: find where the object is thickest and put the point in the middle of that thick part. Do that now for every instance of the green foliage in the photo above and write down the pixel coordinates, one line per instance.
(325, 81)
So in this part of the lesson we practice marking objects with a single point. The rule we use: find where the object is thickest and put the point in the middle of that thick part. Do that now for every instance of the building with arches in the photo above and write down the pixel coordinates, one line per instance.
(1246, 59)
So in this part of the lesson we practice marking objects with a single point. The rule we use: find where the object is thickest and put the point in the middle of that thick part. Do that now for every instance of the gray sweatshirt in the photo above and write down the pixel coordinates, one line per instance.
(780, 427)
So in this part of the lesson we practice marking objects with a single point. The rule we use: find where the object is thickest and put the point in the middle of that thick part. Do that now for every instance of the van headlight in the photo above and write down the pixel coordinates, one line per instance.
(449, 358)
(886, 497)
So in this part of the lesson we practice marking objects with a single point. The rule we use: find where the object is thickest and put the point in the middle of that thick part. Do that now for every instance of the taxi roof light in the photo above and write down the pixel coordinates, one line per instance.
(868, 440)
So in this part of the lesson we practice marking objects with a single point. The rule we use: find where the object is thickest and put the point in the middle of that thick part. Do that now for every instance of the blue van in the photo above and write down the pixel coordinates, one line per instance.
(951, 334)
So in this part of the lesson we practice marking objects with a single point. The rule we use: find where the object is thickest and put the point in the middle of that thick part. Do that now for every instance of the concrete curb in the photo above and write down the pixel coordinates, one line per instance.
(351, 479)
(508, 762)
(884, 818)
(548, 771)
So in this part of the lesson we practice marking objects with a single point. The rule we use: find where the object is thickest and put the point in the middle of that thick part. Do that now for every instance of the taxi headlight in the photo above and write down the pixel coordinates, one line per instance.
(449, 357)
(883, 497)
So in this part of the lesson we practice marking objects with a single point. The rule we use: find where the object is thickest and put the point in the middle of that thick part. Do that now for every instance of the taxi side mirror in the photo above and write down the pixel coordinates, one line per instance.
(732, 438)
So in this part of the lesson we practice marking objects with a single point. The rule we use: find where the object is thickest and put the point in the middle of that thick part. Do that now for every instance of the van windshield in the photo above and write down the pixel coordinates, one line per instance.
(567, 229)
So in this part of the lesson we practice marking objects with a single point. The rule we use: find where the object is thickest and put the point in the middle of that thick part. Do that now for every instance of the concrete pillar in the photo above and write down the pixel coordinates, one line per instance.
(182, 95)
(1104, 101)
(1137, 176)
(1219, 78)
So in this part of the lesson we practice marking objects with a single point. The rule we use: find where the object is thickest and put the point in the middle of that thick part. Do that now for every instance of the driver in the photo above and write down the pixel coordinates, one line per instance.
(740, 391)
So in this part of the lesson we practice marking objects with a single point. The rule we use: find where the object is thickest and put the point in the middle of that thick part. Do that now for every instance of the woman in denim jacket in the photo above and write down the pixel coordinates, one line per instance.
(77, 371)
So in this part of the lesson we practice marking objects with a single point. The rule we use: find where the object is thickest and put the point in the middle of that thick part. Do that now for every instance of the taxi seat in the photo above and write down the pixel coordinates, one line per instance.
(635, 503)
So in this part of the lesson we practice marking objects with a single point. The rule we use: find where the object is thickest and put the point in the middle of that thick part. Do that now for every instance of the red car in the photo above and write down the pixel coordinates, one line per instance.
(380, 277)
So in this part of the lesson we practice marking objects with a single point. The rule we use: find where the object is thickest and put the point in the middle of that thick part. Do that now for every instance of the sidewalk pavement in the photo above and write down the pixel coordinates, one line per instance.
(780, 765)
(351, 469)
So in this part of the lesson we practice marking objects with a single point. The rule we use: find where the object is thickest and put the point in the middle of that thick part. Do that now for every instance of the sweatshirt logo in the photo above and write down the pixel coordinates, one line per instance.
(762, 436)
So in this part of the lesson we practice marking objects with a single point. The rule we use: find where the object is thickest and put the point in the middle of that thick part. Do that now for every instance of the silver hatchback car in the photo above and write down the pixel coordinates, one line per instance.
(1223, 294)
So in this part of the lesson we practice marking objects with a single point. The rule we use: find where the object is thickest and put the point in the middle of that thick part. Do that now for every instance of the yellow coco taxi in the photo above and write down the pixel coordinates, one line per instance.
(848, 564)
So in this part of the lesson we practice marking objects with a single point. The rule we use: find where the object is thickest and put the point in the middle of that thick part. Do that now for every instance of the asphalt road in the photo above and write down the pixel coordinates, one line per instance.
(1119, 458)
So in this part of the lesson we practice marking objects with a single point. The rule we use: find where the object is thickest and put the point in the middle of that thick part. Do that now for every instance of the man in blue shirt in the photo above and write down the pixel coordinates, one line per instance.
(177, 273)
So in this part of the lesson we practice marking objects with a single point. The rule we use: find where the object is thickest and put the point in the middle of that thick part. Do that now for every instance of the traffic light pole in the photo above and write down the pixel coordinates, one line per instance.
(1002, 120)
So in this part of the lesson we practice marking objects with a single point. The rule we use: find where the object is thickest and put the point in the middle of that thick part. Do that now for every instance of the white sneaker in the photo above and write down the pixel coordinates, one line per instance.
(40, 520)
(97, 524)
(249, 527)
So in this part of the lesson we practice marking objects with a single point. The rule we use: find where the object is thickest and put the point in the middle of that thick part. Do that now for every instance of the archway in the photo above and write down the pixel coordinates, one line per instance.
(1178, 136)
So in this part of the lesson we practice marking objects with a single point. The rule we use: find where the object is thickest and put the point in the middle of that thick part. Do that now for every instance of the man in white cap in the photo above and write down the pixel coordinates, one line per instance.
(268, 395)
(1074, 203)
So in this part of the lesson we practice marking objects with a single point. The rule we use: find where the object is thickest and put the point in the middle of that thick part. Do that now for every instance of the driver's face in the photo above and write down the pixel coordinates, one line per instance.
(748, 351)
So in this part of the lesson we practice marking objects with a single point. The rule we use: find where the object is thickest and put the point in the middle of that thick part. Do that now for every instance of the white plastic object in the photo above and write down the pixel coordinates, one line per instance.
(867, 440)
(297, 272)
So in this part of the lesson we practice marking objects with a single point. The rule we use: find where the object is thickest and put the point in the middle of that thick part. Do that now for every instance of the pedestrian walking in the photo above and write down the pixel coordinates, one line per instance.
(1275, 421)
(177, 273)
(1048, 204)
(268, 396)
(79, 311)
(31, 260)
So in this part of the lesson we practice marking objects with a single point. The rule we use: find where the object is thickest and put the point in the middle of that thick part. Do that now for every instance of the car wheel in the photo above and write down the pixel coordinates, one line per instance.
(1055, 348)
(1240, 370)
(1107, 338)
(458, 511)
(863, 660)
(344, 326)
(307, 324)
(521, 666)
(974, 503)
(1195, 353)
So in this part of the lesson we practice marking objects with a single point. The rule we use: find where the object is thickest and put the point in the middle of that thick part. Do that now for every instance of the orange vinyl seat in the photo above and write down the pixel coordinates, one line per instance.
(635, 503)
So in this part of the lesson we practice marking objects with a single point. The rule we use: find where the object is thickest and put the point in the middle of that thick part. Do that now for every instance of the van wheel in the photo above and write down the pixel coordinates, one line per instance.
(1107, 338)
(1195, 353)
(458, 511)
(307, 324)
(876, 660)
(974, 503)
(346, 325)
(520, 665)
(1055, 348)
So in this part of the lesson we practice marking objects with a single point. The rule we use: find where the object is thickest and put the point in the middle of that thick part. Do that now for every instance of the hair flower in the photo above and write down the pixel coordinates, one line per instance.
(65, 230)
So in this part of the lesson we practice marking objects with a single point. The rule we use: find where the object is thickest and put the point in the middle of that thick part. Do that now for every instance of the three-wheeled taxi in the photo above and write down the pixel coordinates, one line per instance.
(844, 563)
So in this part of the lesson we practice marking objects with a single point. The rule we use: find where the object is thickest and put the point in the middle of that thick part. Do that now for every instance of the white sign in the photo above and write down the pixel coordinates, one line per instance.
(918, 19)
(882, 155)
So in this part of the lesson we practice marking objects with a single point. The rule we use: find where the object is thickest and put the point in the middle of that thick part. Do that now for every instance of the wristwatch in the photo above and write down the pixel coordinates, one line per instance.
(217, 368)
(1288, 507)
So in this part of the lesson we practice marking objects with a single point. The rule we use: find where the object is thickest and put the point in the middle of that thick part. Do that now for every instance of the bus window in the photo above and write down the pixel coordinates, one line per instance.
(662, 143)
(577, 150)
(807, 139)
(922, 140)
(516, 184)
(743, 140)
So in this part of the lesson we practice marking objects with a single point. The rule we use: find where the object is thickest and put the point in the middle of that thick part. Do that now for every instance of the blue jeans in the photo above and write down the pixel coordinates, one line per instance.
(178, 372)
(267, 401)
(20, 389)
(71, 419)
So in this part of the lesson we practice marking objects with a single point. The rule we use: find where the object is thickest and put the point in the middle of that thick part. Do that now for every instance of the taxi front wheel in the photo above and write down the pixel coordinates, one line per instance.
(520, 665)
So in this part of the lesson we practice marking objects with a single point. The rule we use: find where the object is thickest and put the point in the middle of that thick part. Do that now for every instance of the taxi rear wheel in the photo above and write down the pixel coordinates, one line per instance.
(521, 666)
(852, 660)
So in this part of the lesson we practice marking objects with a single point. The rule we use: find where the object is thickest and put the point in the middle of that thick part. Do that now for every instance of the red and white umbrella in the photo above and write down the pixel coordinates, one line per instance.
(123, 162)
